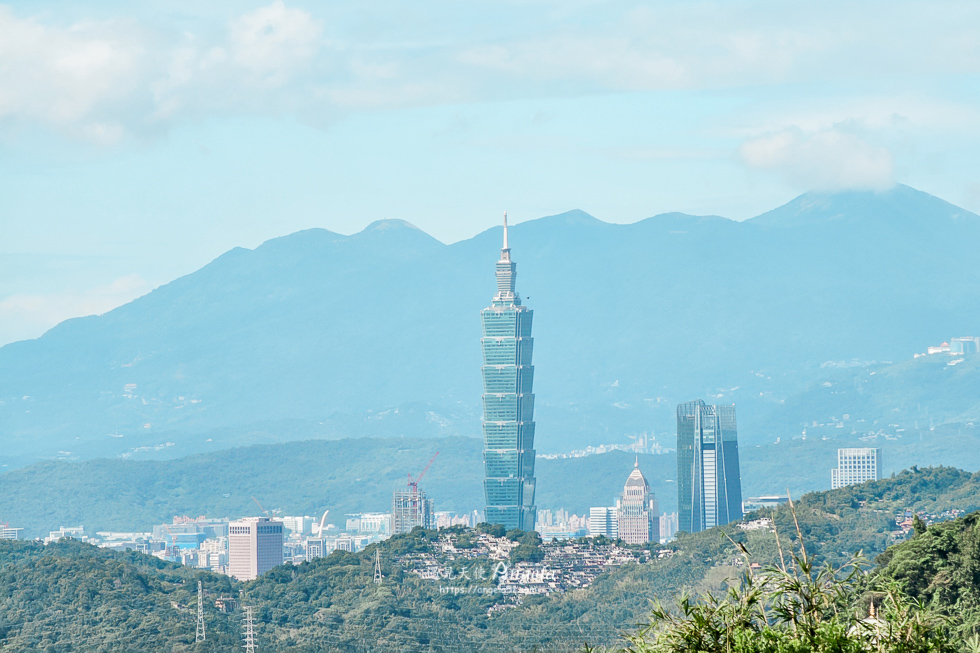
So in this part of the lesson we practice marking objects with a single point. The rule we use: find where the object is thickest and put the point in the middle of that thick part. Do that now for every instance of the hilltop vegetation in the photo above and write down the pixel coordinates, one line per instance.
(333, 603)
(70, 596)
(359, 475)
(301, 478)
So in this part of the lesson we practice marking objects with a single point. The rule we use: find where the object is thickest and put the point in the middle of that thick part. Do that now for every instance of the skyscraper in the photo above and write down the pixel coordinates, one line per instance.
(254, 547)
(856, 466)
(637, 514)
(508, 403)
(709, 484)
(410, 508)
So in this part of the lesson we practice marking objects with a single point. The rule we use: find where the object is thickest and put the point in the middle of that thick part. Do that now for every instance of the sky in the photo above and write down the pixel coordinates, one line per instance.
(139, 141)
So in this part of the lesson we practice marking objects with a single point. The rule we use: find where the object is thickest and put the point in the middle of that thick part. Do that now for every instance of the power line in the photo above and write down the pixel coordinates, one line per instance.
(201, 636)
(248, 634)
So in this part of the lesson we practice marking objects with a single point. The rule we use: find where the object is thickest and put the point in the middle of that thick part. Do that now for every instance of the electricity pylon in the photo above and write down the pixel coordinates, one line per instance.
(377, 567)
(248, 634)
(201, 636)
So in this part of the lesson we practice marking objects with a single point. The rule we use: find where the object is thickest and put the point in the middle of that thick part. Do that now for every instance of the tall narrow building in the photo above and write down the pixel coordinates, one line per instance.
(709, 484)
(508, 403)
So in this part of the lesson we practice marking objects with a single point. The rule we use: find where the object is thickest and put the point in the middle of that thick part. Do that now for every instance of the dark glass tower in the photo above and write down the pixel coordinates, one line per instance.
(508, 403)
(709, 484)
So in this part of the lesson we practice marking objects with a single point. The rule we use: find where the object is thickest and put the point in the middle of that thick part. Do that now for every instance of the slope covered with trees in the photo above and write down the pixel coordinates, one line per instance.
(75, 594)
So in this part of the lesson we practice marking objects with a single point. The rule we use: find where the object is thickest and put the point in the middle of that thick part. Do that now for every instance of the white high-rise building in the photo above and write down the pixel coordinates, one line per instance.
(254, 547)
(603, 521)
(856, 466)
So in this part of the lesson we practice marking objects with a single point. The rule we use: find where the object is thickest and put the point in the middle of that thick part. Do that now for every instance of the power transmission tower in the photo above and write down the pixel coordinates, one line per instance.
(377, 567)
(200, 613)
(249, 631)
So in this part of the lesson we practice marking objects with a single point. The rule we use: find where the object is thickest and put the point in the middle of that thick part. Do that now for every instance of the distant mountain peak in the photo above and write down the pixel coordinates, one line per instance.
(575, 216)
(899, 206)
(389, 224)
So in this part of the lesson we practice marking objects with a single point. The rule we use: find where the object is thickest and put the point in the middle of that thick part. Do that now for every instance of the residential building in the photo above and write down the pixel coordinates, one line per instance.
(315, 548)
(857, 465)
(254, 547)
(410, 508)
(603, 521)
(637, 513)
(508, 402)
(709, 484)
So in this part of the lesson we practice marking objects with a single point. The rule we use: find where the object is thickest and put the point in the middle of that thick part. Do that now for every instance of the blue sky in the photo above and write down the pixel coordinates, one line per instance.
(138, 141)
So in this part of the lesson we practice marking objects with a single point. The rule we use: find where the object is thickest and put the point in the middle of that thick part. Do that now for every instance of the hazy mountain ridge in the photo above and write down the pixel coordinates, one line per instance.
(629, 320)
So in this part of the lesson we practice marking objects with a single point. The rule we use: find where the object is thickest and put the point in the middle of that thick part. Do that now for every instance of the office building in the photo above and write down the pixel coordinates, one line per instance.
(668, 526)
(8, 533)
(856, 466)
(508, 402)
(254, 547)
(603, 521)
(637, 514)
(709, 485)
(410, 508)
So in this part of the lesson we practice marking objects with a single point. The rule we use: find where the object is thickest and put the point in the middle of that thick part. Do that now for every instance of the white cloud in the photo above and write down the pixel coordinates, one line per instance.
(78, 77)
(274, 41)
(26, 315)
(829, 159)
(102, 79)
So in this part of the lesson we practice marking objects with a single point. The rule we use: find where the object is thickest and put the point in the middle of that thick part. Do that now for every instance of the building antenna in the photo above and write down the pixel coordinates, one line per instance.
(201, 635)
(248, 631)
(377, 567)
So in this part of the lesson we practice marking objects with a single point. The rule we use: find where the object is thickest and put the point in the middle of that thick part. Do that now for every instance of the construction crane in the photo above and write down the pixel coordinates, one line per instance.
(414, 485)
(173, 539)
(260, 506)
(270, 515)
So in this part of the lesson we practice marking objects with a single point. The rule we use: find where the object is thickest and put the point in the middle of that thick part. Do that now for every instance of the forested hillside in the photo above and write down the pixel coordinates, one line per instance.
(301, 478)
(334, 604)
(69, 596)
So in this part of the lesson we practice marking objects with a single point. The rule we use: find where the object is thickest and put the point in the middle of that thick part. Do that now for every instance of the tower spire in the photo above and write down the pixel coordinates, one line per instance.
(505, 250)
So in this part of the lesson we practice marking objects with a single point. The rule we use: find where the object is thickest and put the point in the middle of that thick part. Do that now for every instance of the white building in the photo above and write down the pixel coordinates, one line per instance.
(856, 466)
(254, 547)
(296, 524)
(66, 532)
(637, 511)
(7, 533)
(603, 521)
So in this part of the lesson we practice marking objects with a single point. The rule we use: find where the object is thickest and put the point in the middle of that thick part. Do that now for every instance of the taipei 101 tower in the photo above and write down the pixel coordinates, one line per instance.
(508, 403)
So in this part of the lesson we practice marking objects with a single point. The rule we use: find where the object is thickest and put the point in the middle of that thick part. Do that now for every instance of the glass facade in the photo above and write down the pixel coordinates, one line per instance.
(709, 483)
(508, 403)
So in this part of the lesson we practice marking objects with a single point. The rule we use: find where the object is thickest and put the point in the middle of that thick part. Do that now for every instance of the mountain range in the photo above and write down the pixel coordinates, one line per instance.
(317, 334)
